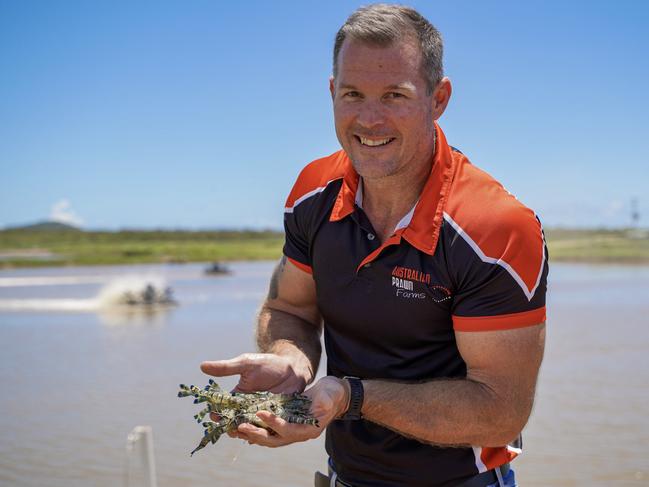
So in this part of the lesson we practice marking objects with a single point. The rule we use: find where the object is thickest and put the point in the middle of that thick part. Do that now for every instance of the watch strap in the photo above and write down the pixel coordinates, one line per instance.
(356, 395)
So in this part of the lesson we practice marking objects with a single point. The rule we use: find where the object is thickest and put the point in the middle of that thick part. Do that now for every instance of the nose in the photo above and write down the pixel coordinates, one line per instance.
(370, 115)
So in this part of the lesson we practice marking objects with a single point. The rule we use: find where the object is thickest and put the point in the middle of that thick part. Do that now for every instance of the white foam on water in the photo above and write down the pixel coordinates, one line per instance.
(48, 304)
(49, 281)
(110, 296)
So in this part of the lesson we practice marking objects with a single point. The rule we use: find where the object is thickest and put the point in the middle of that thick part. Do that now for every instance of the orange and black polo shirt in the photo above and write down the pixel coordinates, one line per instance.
(468, 256)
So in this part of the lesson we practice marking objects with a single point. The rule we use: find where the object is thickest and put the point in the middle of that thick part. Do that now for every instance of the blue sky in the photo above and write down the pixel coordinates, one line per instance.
(200, 114)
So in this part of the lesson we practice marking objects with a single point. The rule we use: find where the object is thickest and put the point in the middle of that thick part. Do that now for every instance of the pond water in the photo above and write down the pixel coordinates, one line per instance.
(77, 378)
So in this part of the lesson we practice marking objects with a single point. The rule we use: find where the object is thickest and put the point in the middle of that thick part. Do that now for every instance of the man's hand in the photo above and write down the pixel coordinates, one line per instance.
(329, 397)
(288, 332)
(260, 372)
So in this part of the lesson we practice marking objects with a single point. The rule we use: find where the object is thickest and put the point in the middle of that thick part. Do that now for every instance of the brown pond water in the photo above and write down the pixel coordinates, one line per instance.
(75, 380)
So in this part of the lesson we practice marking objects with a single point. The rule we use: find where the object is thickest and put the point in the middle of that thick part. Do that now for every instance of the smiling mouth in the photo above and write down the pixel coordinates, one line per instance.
(373, 142)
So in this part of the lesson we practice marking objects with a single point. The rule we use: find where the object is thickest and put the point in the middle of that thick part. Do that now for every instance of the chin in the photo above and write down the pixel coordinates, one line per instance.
(369, 169)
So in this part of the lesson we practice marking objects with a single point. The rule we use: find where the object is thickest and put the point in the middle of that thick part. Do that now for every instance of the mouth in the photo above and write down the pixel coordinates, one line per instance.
(373, 142)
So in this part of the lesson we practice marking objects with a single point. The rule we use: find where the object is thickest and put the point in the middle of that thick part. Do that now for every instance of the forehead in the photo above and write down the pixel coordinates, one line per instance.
(397, 62)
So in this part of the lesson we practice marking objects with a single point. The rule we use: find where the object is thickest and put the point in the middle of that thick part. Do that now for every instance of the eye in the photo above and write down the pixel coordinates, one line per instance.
(351, 94)
(394, 95)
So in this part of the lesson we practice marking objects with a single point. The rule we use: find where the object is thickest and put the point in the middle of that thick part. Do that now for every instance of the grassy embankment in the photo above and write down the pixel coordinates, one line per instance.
(25, 248)
(598, 246)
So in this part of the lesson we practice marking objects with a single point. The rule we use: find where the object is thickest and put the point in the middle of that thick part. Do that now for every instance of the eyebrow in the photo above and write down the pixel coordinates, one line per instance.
(347, 87)
(406, 85)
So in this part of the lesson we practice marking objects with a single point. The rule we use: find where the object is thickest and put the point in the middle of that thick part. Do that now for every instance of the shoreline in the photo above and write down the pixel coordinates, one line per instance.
(20, 263)
(22, 248)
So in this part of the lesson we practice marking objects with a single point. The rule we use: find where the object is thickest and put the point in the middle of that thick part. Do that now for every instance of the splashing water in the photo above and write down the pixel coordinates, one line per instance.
(127, 292)
(135, 290)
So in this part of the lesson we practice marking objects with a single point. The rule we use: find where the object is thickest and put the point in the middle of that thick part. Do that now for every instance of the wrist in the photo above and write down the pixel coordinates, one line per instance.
(355, 396)
(295, 359)
(302, 368)
(346, 396)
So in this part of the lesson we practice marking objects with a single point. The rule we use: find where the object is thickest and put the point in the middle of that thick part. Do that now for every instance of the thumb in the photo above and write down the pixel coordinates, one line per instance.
(222, 368)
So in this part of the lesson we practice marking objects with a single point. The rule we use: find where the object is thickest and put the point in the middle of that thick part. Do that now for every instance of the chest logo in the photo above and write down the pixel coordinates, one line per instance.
(404, 279)
(413, 284)
(410, 274)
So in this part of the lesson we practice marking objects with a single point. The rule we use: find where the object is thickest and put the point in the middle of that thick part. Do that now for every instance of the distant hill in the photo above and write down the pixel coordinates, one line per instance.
(48, 226)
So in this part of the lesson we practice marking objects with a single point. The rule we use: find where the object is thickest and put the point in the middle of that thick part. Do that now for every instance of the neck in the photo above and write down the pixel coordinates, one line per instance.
(387, 200)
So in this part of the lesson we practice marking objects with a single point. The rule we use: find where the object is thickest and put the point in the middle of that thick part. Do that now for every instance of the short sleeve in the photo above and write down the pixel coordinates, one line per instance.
(309, 204)
(503, 288)
(296, 243)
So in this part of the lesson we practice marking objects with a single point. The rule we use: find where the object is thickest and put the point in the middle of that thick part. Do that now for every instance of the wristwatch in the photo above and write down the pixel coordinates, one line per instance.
(355, 399)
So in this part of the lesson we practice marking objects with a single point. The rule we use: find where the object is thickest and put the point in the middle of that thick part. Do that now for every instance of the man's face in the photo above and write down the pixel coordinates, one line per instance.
(383, 113)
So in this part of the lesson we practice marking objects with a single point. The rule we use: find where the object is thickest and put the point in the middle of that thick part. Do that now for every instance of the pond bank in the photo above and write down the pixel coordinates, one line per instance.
(44, 248)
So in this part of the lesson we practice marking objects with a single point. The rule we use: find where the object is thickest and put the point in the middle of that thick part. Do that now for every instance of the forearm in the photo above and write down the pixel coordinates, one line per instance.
(447, 412)
(489, 407)
(289, 335)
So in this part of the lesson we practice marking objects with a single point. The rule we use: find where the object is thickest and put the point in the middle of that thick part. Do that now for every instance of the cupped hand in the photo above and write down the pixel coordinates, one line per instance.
(329, 397)
(260, 372)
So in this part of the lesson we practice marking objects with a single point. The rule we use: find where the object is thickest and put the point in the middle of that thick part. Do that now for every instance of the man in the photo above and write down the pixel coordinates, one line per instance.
(427, 276)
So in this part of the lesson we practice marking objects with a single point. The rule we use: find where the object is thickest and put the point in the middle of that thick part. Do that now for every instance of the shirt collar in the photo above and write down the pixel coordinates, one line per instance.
(358, 200)
(403, 223)
(420, 226)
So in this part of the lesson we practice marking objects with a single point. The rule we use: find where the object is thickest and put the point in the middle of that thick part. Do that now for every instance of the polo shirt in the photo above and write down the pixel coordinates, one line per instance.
(468, 257)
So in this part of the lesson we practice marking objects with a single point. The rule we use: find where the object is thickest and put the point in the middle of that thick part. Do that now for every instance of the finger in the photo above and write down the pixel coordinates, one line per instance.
(260, 436)
(249, 430)
(284, 428)
(274, 422)
(222, 368)
(254, 435)
(239, 435)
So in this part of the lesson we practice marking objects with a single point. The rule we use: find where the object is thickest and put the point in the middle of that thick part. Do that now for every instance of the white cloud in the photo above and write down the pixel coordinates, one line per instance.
(62, 212)
(614, 209)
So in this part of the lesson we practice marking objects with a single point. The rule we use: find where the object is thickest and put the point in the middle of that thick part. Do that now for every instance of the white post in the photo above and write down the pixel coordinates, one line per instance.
(140, 462)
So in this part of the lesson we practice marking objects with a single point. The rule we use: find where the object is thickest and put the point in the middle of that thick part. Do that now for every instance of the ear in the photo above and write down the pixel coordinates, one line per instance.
(441, 97)
(332, 89)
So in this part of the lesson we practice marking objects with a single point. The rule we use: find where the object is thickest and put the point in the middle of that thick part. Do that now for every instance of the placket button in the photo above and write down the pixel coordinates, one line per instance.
(371, 236)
